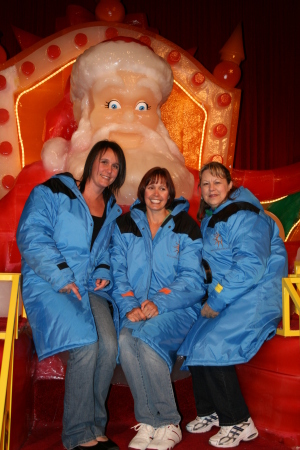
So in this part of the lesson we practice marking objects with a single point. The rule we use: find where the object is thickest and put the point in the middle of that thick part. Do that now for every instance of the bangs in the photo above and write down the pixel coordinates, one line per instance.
(217, 170)
(157, 178)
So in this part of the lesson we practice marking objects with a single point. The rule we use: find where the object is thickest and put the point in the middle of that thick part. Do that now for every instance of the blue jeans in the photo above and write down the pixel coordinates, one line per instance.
(149, 380)
(88, 376)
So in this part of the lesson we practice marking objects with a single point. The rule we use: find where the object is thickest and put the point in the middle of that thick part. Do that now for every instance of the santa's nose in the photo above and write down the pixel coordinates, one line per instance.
(128, 116)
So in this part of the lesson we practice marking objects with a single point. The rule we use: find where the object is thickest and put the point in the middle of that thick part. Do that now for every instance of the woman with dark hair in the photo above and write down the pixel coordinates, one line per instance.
(245, 260)
(63, 236)
(155, 256)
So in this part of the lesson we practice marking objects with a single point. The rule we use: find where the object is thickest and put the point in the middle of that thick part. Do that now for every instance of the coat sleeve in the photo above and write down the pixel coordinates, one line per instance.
(123, 293)
(103, 269)
(188, 285)
(250, 241)
(35, 239)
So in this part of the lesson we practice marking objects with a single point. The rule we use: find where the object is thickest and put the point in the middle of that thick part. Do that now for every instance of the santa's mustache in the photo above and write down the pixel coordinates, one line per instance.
(139, 129)
(159, 138)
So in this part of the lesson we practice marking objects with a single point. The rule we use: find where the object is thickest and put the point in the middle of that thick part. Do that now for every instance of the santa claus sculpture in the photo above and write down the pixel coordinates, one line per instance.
(117, 89)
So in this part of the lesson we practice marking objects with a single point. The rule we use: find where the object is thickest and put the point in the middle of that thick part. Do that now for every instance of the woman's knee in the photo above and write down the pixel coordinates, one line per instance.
(109, 348)
(85, 355)
(126, 342)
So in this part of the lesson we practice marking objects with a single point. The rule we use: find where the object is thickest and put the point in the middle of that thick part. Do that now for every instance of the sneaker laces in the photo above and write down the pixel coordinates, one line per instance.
(232, 432)
(166, 431)
(204, 421)
(144, 428)
(236, 430)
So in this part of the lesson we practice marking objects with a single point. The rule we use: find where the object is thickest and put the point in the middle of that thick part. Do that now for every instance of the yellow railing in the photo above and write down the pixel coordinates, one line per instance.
(6, 376)
(290, 290)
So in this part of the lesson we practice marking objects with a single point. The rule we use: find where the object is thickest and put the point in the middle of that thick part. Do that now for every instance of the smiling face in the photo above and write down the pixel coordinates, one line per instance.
(214, 189)
(105, 170)
(156, 195)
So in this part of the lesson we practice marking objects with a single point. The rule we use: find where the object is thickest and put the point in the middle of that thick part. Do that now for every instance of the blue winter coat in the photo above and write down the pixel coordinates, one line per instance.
(54, 238)
(165, 270)
(247, 259)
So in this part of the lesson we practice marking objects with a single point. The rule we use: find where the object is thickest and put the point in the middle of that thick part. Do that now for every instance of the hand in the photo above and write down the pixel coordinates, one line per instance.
(136, 315)
(100, 284)
(207, 312)
(149, 309)
(71, 287)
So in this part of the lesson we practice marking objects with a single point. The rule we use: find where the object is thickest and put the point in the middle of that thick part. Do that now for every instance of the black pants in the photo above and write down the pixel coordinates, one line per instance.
(217, 389)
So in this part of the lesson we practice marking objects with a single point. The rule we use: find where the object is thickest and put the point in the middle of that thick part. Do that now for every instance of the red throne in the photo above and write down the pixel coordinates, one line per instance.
(269, 381)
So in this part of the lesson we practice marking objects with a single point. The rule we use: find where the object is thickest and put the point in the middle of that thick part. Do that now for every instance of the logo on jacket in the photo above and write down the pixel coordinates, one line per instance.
(176, 251)
(218, 239)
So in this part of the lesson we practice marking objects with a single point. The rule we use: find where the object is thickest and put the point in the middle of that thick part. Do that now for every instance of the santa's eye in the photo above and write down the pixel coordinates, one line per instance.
(113, 104)
(142, 106)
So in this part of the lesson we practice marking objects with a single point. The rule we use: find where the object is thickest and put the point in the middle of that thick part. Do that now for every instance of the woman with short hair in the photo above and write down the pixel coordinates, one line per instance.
(156, 259)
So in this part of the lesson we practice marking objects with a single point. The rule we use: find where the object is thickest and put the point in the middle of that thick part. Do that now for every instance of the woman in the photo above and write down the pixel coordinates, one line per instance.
(245, 260)
(63, 236)
(155, 255)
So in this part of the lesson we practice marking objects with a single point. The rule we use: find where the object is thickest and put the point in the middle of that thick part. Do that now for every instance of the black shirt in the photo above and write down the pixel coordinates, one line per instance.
(98, 223)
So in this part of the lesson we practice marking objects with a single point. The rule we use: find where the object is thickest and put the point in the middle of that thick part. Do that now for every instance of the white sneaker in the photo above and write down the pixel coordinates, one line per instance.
(203, 424)
(232, 435)
(143, 437)
(166, 438)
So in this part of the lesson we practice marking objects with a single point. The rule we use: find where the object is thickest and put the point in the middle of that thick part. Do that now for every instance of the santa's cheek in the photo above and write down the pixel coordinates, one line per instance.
(101, 116)
(149, 120)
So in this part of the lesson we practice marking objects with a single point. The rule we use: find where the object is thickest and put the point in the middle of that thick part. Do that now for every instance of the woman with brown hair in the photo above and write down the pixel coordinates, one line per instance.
(63, 236)
(156, 255)
(245, 260)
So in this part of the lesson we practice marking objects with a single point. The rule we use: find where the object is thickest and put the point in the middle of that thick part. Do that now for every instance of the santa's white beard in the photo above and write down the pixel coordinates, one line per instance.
(154, 149)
